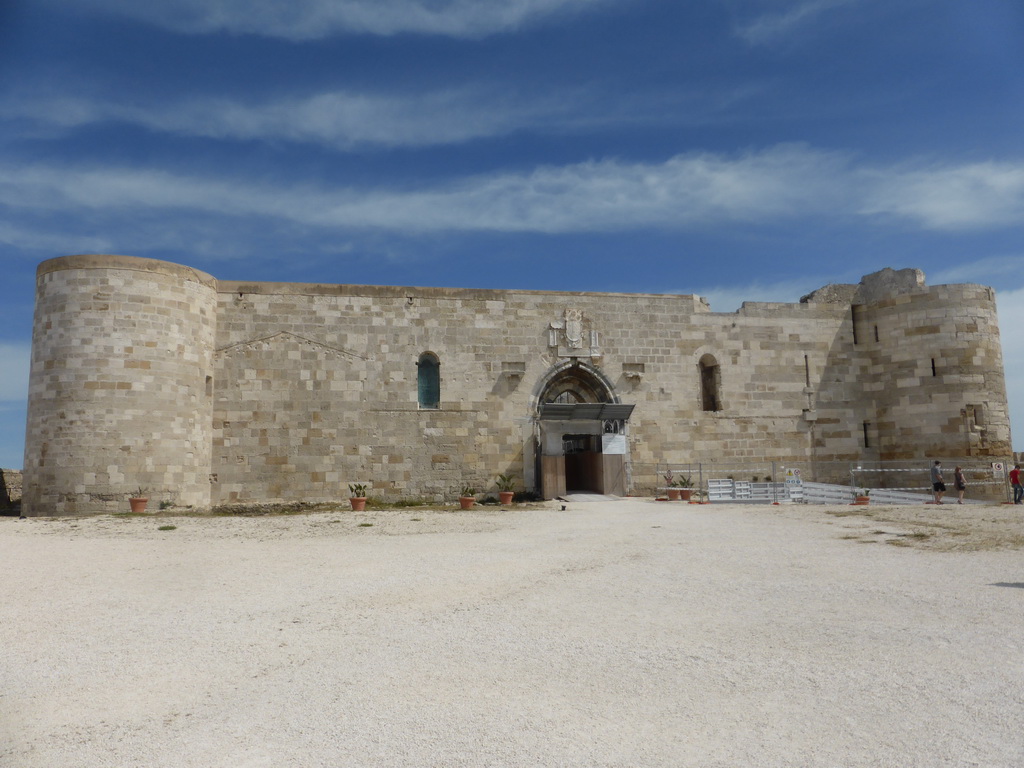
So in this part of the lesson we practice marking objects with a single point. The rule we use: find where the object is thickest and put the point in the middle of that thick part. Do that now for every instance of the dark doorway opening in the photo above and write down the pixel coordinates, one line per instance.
(582, 463)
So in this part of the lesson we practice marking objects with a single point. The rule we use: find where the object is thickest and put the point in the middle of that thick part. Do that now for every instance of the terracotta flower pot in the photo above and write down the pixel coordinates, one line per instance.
(505, 497)
(862, 500)
(138, 504)
(673, 494)
(358, 503)
(466, 502)
(685, 493)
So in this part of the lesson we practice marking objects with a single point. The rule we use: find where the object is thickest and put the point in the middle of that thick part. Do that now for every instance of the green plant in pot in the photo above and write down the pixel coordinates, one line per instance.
(467, 496)
(357, 496)
(506, 488)
(685, 486)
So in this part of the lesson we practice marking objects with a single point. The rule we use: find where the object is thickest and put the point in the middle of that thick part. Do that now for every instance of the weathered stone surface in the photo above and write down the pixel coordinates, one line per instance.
(833, 293)
(890, 282)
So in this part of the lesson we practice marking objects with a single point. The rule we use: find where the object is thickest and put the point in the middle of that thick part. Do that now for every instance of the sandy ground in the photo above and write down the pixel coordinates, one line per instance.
(631, 633)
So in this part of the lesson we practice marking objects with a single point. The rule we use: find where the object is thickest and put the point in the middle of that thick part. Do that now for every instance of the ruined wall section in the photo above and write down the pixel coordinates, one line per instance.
(936, 373)
(10, 491)
(120, 387)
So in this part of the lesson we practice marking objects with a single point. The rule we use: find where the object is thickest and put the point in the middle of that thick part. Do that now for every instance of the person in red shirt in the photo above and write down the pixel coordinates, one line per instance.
(1018, 490)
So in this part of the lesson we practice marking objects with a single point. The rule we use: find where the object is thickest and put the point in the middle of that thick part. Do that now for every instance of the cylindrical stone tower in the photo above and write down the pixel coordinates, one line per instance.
(938, 359)
(120, 390)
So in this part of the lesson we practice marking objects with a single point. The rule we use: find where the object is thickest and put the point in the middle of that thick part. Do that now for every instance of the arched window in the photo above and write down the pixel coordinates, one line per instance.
(710, 384)
(428, 381)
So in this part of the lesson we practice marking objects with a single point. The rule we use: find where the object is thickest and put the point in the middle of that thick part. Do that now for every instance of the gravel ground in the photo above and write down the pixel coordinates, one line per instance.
(628, 633)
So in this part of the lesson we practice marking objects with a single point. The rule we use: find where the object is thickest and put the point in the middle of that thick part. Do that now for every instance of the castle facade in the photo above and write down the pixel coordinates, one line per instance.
(207, 392)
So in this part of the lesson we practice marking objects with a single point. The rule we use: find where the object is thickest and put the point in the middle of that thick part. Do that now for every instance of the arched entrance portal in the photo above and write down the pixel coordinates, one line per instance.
(581, 432)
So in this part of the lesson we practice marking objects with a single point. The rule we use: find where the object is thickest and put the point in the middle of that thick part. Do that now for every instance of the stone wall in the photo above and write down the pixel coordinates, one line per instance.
(227, 392)
(316, 386)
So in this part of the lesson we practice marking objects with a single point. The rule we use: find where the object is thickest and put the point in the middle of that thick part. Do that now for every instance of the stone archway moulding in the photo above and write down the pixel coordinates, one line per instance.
(553, 374)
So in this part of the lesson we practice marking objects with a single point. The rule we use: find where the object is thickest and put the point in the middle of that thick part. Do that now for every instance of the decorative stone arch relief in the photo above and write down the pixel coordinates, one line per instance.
(267, 343)
(575, 382)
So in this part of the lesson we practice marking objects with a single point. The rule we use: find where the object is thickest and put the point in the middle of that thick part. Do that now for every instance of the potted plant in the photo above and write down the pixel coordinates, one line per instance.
(670, 483)
(506, 485)
(862, 497)
(357, 496)
(138, 500)
(685, 486)
(467, 496)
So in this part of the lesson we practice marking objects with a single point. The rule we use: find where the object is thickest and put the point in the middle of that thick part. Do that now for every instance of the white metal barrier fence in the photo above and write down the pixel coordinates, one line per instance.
(895, 482)
(739, 492)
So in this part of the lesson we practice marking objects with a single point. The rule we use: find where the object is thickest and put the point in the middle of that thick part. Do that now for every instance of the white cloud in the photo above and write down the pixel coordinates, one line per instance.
(992, 270)
(39, 240)
(977, 194)
(352, 119)
(313, 19)
(606, 195)
(769, 27)
(338, 119)
(786, 182)
(14, 372)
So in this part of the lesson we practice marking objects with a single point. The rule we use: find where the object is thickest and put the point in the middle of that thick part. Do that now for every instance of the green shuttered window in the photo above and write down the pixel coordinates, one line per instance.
(428, 381)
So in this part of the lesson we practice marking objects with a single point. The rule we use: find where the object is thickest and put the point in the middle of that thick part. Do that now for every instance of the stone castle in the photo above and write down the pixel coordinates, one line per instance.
(208, 392)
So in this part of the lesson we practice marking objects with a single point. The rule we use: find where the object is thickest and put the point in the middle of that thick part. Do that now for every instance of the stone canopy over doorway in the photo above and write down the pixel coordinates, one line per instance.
(581, 432)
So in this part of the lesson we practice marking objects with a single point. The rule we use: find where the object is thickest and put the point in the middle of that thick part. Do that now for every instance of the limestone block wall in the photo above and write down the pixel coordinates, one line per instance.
(774, 359)
(120, 389)
(354, 415)
(316, 385)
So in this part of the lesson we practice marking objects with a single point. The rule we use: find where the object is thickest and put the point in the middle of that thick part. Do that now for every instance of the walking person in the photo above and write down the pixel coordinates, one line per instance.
(938, 487)
(1018, 490)
(960, 483)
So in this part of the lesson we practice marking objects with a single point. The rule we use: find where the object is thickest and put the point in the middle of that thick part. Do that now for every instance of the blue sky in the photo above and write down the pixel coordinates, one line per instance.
(738, 149)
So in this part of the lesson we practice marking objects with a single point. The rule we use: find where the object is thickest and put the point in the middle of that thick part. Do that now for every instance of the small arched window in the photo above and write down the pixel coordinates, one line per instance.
(710, 384)
(428, 381)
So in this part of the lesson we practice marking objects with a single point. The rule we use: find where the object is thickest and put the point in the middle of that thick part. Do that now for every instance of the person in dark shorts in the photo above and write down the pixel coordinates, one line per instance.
(960, 483)
(938, 487)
